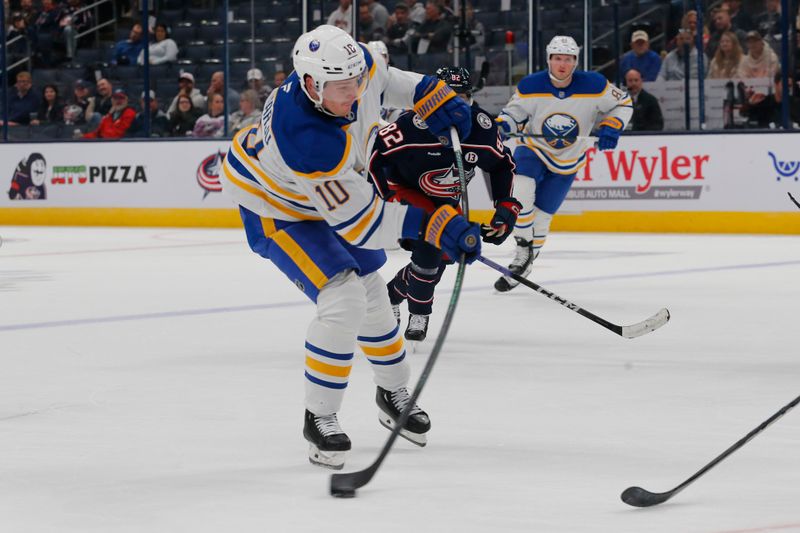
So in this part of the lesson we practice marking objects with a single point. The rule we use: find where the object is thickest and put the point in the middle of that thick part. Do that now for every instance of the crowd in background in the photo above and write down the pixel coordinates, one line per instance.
(738, 44)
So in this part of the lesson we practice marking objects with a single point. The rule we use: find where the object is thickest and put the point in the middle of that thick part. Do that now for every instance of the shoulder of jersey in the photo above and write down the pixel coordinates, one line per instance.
(483, 126)
(588, 83)
(309, 142)
(536, 83)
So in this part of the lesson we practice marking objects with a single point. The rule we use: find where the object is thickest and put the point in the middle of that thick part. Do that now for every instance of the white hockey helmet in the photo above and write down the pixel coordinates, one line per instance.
(329, 54)
(379, 48)
(565, 45)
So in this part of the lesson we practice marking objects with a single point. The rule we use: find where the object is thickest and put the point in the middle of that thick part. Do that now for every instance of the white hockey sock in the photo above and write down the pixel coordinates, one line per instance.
(380, 338)
(525, 193)
(541, 228)
(331, 341)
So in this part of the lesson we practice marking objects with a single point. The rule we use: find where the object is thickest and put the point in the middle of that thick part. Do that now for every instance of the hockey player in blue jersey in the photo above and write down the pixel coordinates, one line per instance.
(297, 177)
(557, 108)
(411, 165)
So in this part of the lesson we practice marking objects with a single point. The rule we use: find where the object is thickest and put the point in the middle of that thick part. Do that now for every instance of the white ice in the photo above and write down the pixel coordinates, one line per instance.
(151, 380)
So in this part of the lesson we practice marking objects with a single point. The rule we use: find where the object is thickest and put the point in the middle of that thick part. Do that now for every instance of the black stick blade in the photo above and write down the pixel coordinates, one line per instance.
(345, 485)
(639, 497)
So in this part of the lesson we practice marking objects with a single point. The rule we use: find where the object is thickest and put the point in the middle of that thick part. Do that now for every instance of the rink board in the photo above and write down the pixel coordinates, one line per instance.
(670, 183)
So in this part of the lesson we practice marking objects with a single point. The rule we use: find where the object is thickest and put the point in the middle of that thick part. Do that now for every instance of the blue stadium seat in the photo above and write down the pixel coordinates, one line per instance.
(183, 34)
(210, 32)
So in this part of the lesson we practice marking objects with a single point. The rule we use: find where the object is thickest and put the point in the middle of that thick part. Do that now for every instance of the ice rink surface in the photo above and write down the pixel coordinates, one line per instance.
(152, 381)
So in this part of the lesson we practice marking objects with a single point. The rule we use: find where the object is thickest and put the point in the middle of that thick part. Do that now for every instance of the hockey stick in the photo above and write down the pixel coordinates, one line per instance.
(639, 497)
(345, 485)
(629, 332)
(543, 136)
(795, 201)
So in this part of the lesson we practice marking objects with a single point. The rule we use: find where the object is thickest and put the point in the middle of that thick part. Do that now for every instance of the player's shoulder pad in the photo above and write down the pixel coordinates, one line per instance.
(372, 62)
(536, 83)
(588, 83)
(311, 144)
(484, 127)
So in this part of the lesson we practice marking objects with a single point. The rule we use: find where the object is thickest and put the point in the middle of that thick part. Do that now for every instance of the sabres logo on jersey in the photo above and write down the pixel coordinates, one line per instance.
(560, 130)
(443, 182)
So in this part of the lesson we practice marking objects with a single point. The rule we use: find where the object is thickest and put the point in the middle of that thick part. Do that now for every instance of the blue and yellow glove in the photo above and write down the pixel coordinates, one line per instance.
(453, 234)
(608, 133)
(437, 104)
(503, 127)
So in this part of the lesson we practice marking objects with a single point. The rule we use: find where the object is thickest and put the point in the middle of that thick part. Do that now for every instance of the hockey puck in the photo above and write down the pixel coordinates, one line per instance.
(343, 493)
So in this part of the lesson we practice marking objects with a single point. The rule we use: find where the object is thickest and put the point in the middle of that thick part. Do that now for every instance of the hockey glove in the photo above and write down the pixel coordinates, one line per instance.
(609, 132)
(505, 216)
(437, 104)
(503, 127)
(453, 234)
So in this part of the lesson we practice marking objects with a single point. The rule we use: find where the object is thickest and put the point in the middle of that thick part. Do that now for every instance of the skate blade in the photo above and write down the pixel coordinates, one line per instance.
(420, 439)
(325, 459)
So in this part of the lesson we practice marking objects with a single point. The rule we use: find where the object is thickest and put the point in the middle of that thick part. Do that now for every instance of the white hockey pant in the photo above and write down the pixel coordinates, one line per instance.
(351, 308)
(533, 224)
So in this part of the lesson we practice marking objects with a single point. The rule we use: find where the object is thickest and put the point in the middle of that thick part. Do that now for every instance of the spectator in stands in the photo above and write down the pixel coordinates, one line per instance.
(768, 24)
(646, 109)
(126, 52)
(117, 121)
(51, 110)
(765, 110)
(23, 102)
(434, 34)
(400, 31)
(162, 50)
(159, 125)
(476, 36)
(739, 19)
(48, 32)
(278, 78)
(74, 22)
(217, 85)
(368, 28)
(101, 104)
(29, 12)
(183, 118)
(722, 23)
(249, 111)
(760, 61)
(212, 124)
(672, 68)
(378, 11)
(689, 22)
(75, 110)
(186, 87)
(20, 48)
(416, 10)
(343, 15)
(255, 82)
(640, 57)
(726, 61)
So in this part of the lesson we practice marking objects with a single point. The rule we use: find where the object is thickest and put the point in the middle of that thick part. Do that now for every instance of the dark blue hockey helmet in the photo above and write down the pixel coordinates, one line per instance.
(458, 78)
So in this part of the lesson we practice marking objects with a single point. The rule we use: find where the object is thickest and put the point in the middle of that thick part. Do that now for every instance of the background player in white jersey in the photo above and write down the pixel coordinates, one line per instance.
(307, 208)
(558, 108)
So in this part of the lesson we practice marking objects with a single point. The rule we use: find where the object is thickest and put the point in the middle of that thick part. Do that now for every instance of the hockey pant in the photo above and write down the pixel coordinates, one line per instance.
(417, 280)
(352, 306)
(541, 193)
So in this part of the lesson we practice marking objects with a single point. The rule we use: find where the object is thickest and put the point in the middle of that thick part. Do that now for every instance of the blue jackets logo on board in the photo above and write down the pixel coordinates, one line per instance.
(208, 173)
(785, 169)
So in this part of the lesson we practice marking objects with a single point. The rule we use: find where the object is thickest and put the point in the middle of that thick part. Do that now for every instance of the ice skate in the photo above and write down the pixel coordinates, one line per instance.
(520, 265)
(327, 443)
(417, 327)
(392, 404)
(396, 312)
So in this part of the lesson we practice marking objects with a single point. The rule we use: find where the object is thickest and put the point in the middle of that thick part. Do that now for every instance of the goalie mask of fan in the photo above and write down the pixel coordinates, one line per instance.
(332, 68)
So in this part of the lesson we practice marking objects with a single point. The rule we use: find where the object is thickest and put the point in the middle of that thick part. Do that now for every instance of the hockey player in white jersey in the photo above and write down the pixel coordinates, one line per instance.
(558, 108)
(306, 206)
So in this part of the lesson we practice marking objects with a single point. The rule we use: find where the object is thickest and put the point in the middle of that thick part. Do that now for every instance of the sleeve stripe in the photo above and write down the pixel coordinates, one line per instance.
(352, 220)
(258, 192)
(236, 164)
(359, 228)
(237, 145)
(374, 226)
